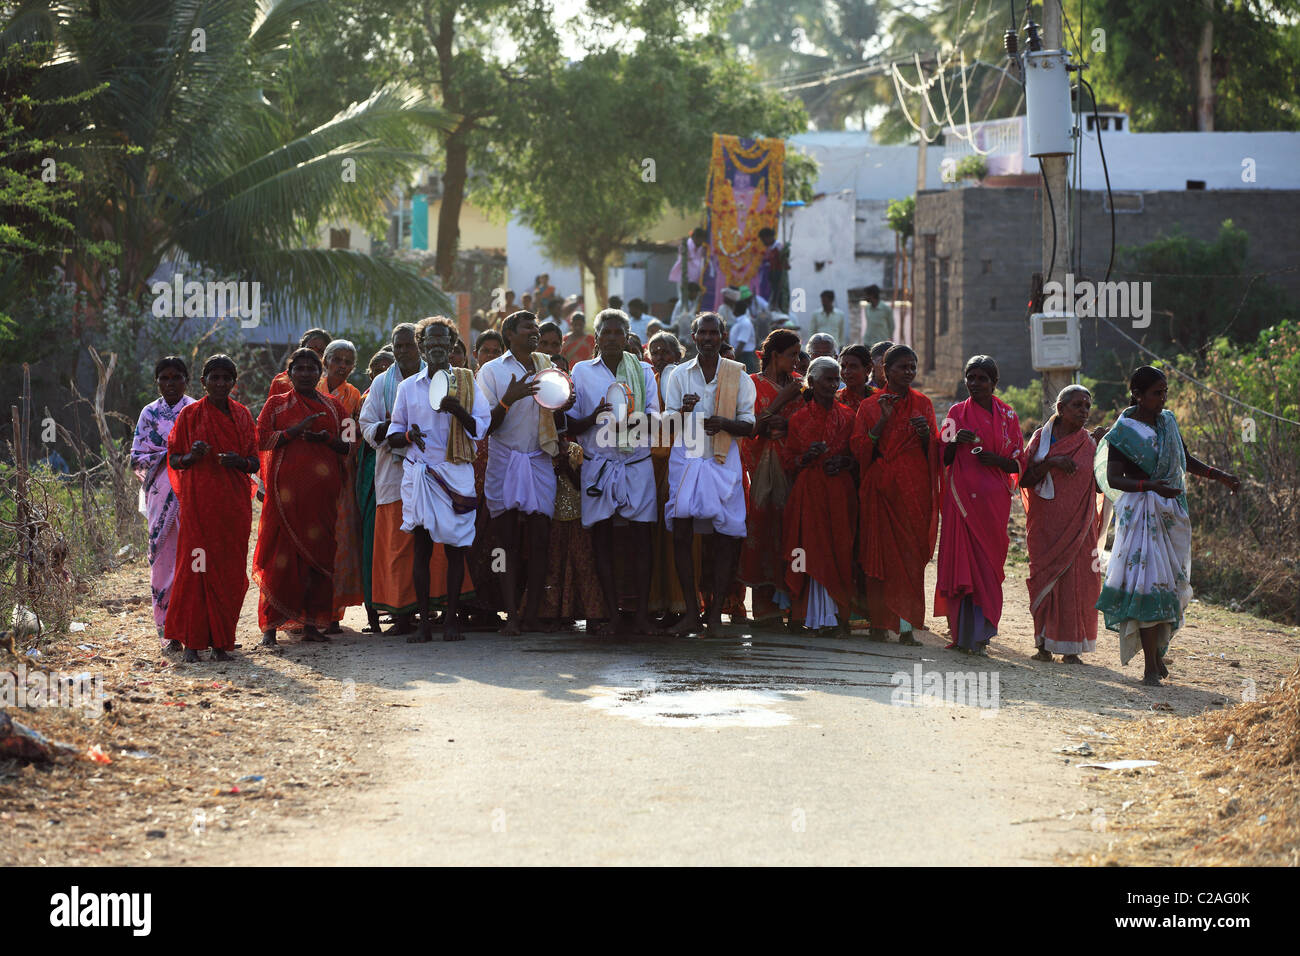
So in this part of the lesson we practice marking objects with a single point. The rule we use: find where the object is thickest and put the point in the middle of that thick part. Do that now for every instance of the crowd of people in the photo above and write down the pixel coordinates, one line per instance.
(453, 494)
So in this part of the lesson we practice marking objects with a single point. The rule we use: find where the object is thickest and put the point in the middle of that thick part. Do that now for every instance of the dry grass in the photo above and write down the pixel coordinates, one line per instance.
(1226, 793)
(180, 737)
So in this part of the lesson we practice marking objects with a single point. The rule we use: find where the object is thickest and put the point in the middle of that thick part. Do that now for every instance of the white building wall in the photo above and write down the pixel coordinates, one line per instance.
(1138, 161)
(525, 261)
(822, 254)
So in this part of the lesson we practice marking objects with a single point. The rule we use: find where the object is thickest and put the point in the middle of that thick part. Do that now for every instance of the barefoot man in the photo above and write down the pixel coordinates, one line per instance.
(438, 500)
(618, 478)
(715, 399)
(391, 576)
(519, 483)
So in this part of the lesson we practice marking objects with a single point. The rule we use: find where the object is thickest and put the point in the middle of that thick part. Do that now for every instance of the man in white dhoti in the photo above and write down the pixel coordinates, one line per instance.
(618, 479)
(519, 483)
(438, 499)
(392, 551)
(706, 494)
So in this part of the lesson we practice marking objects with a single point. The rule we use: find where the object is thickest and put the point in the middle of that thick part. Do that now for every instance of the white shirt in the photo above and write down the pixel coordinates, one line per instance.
(688, 378)
(832, 323)
(411, 407)
(638, 326)
(591, 381)
(741, 334)
(388, 460)
(518, 430)
(683, 313)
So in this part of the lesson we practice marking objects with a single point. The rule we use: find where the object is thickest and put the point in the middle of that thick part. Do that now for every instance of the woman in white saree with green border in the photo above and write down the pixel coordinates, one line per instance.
(1142, 465)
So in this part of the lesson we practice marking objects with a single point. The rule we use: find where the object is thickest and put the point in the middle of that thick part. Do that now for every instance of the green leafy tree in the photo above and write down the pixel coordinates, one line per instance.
(627, 136)
(1204, 289)
(216, 172)
(800, 39)
(459, 53)
(42, 123)
(1150, 65)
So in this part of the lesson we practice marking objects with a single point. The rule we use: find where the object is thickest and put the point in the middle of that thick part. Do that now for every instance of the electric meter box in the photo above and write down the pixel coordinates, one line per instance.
(1049, 117)
(1054, 341)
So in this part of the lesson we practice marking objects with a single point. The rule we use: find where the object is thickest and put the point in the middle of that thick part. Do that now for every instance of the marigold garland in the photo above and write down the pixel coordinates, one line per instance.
(739, 255)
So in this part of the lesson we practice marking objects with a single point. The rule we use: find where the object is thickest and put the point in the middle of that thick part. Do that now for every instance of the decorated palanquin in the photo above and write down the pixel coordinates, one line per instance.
(745, 190)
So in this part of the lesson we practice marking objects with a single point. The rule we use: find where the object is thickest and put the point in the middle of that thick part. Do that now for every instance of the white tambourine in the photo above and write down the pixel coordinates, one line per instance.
(439, 385)
(620, 401)
(554, 387)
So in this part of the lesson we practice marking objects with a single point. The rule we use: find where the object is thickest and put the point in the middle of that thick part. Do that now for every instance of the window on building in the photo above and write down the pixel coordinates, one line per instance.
(340, 238)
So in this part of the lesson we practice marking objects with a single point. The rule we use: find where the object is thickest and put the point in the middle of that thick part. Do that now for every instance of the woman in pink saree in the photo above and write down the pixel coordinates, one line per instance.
(158, 502)
(982, 451)
(1062, 506)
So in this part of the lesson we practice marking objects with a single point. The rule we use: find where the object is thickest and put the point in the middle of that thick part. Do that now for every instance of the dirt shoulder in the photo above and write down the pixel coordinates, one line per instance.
(185, 740)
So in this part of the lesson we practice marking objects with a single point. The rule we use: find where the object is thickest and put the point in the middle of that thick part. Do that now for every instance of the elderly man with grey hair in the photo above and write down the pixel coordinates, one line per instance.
(616, 398)
(820, 345)
(391, 550)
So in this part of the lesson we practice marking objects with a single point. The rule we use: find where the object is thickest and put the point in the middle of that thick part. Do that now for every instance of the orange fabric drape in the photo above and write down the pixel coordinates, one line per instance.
(212, 550)
(821, 513)
(898, 508)
(293, 563)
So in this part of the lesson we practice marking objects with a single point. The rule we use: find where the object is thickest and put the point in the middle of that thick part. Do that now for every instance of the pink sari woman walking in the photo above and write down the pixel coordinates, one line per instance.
(982, 452)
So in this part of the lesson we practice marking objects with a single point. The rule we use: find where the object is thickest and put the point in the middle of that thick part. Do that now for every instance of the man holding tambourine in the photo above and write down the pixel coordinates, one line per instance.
(436, 417)
(615, 392)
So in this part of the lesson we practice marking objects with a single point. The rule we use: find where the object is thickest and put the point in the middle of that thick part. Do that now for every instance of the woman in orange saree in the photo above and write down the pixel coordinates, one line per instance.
(212, 450)
(1063, 514)
(762, 561)
(339, 360)
(895, 442)
(299, 435)
(821, 512)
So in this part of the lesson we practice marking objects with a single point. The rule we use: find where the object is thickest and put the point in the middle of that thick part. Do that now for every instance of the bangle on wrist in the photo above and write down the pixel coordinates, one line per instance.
(1141, 485)
(503, 404)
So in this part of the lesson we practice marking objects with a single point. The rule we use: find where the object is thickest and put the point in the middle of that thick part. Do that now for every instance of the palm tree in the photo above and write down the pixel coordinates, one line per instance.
(206, 168)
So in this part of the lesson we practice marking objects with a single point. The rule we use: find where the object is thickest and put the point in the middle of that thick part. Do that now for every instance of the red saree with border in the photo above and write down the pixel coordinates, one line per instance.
(762, 562)
(212, 549)
(898, 508)
(821, 515)
(293, 564)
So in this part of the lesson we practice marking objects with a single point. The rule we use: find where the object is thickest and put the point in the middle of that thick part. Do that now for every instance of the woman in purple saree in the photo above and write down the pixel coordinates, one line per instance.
(158, 502)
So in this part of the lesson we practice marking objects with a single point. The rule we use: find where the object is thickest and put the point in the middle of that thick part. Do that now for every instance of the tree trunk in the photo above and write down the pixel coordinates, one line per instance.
(453, 196)
(594, 262)
(1204, 80)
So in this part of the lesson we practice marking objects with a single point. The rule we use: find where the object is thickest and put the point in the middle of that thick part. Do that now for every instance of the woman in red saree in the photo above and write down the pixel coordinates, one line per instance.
(855, 369)
(212, 450)
(299, 436)
(822, 510)
(762, 562)
(1062, 508)
(982, 451)
(895, 443)
(339, 360)
(314, 339)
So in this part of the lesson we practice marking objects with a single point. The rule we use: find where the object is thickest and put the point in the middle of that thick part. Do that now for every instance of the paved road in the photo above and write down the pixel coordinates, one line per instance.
(562, 749)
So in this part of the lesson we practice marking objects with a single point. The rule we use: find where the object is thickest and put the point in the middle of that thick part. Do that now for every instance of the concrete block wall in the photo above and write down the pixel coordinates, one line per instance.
(991, 240)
